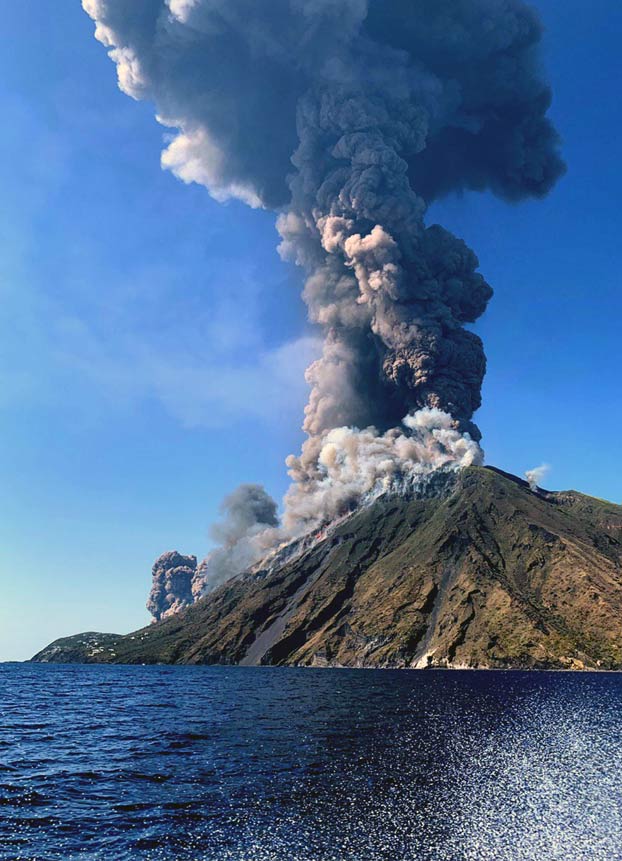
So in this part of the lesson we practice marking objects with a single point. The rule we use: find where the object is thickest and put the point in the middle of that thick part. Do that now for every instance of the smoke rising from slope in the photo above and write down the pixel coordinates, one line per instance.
(171, 588)
(536, 476)
(357, 465)
(349, 117)
(249, 529)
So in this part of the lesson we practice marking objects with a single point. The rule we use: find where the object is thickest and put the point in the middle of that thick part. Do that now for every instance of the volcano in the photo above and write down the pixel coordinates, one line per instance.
(476, 571)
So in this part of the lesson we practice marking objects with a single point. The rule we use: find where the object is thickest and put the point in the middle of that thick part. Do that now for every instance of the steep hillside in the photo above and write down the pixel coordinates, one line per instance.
(485, 573)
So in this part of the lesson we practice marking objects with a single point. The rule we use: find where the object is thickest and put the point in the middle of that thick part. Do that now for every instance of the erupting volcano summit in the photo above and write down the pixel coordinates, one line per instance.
(349, 118)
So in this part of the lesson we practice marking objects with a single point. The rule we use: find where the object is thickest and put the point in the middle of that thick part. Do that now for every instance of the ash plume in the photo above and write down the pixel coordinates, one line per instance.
(171, 588)
(349, 118)
(248, 529)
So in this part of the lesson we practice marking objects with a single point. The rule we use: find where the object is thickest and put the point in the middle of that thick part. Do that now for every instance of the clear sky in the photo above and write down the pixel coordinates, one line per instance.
(152, 342)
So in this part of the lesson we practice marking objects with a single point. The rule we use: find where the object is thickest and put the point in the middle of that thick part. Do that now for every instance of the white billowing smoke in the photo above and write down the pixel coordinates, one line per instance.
(536, 476)
(354, 467)
(358, 465)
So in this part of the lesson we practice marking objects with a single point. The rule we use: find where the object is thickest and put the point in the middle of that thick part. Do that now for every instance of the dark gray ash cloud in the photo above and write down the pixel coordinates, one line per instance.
(247, 530)
(350, 117)
(171, 588)
(244, 510)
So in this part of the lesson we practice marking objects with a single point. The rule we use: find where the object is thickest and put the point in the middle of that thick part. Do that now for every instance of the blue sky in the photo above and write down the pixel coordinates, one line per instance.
(152, 342)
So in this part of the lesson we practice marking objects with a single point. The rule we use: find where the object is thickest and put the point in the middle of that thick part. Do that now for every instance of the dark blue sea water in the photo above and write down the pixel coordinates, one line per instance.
(200, 763)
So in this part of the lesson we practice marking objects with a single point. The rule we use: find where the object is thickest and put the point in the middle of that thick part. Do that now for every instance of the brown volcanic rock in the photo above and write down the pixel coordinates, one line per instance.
(486, 573)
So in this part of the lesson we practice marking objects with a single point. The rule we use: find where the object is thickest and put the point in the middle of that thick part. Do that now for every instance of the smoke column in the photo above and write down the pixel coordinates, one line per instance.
(537, 475)
(171, 588)
(248, 530)
(349, 118)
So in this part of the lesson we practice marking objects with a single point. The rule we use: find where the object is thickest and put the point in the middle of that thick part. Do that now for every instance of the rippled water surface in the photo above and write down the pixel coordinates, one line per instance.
(199, 763)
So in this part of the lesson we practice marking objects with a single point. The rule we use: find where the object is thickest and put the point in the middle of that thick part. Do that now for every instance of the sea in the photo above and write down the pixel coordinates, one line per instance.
(121, 763)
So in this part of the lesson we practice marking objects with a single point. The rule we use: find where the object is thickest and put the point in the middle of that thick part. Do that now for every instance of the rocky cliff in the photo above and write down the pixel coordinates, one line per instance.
(484, 572)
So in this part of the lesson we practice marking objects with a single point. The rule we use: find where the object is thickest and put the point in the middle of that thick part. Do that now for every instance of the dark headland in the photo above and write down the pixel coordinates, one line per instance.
(485, 573)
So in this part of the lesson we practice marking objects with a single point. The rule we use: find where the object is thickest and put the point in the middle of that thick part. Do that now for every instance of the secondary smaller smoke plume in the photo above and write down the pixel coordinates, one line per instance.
(536, 476)
(171, 590)
(248, 530)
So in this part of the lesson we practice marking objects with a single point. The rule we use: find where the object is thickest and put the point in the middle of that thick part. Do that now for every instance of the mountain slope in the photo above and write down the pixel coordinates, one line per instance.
(485, 573)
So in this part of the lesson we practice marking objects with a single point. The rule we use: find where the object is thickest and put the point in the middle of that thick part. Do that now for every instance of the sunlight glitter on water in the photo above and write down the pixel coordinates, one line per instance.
(259, 764)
